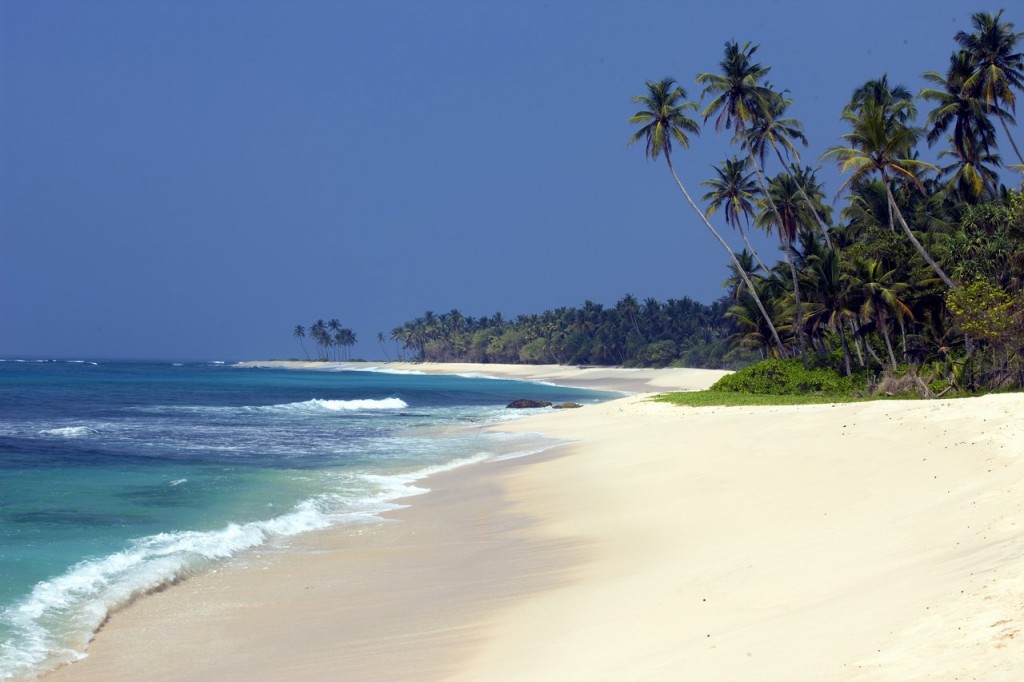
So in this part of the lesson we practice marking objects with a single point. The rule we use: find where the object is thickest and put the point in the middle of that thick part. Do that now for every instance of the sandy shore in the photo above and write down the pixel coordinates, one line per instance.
(875, 541)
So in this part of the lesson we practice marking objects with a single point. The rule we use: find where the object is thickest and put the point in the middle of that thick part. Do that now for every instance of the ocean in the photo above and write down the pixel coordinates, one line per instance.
(119, 477)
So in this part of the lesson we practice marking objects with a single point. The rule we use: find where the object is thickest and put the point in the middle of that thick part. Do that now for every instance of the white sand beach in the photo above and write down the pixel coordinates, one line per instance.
(869, 541)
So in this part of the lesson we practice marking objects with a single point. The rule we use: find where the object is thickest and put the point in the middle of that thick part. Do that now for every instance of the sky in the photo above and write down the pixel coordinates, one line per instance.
(192, 179)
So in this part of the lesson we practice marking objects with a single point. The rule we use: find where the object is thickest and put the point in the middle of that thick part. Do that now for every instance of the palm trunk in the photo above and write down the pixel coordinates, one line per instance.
(787, 247)
(746, 241)
(1010, 138)
(917, 245)
(807, 199)
(739, 269)
(846, 349)
(856, 346)
(884, 328)
(798, 321)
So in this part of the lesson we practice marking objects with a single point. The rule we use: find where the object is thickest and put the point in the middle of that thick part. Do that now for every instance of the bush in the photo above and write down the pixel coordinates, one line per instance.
(786, 377)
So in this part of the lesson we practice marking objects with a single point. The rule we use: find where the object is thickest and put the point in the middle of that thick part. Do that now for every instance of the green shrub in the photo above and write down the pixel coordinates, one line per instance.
(786, 377)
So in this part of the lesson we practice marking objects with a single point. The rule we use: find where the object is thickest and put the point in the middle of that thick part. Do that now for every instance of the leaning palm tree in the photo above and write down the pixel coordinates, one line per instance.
(300, 333)
(663, 120)
(881, 143)
(784, 211)
(998, 68)
(734, 192)
(772, 128)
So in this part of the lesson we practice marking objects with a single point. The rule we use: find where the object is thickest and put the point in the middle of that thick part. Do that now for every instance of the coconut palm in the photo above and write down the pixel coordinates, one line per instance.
(734, 192)
(877, 92)
(785, 211)
(998, 68)
(881, 143)
(738, 92)
(880, 296)
(300, 333)
(972, 176)
(956, 107)
(663, 120)
(772, 128)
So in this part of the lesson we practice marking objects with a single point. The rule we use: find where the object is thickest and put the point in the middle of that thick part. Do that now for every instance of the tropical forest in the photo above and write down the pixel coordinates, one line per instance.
(910, 272)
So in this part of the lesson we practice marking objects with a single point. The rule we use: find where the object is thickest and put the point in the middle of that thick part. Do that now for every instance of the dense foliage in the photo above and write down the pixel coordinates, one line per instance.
(919, 273)
(921, 277)
(631, 333)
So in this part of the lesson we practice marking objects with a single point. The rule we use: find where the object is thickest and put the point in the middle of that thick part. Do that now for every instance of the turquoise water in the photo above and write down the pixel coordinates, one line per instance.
(116, 478)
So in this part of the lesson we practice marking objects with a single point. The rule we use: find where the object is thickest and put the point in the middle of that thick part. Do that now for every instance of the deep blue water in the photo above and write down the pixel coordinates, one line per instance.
(118, 477)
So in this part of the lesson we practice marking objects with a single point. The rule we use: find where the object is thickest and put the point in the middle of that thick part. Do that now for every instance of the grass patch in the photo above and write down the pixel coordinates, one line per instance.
(712, 398)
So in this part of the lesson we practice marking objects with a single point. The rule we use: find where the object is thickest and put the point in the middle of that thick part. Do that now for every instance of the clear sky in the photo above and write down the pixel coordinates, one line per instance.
(192, 179)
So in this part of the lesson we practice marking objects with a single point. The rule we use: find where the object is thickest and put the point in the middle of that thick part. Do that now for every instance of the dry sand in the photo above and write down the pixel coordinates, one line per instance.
(873, 541)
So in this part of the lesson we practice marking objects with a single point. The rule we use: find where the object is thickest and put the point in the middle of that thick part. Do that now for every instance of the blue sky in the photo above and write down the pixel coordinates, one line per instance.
(193, 179)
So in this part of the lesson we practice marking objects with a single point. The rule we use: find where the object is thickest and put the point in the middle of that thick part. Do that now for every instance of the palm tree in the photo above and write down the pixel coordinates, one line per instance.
(881, 143)
(881, 295)
(784, 210)
(739, 97)
(998, 69)
(381, 339)
(878, 92)
(957, 107)
(772, 128)
(734, 192)
(300, 333)
(663, 120)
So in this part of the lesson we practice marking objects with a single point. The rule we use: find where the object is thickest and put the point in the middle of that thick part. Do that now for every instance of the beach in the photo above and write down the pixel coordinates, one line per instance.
(868, 541)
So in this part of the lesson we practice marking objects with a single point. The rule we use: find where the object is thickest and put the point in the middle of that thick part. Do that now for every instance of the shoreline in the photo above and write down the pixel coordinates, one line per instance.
(859, 541)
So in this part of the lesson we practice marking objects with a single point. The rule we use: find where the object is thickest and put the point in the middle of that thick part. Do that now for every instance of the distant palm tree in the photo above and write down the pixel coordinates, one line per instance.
(998, 67)
(381, 339)
(663, 120)
(300, 333)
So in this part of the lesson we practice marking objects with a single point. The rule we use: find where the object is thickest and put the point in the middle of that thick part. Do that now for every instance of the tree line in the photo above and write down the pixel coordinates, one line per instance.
(632, 333)
(924, 264)
(921, 266)
(333, 341)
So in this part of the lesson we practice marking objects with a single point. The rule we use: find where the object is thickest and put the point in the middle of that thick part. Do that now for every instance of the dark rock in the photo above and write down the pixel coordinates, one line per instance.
(566, 406)
(523, 403)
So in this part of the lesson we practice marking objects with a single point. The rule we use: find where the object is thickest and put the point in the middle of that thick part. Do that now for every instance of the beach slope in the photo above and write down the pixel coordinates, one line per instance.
(871, 541)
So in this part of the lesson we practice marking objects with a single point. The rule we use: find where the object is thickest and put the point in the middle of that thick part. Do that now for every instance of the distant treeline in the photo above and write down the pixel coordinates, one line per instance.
(333, 341)
(649, 334)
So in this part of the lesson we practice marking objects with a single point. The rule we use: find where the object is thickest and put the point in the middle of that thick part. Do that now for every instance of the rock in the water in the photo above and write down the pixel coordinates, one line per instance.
(566, 406)
(524, 403)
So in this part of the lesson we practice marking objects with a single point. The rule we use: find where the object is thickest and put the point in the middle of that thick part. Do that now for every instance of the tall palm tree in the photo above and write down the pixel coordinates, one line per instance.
(878, 92)
(956, 107)
(785, 211)
(738, 92)
(772, 128)
(880, 142)
(734, 192)
(300, 333)
(663, 120)
(998, 68)
(381, 339)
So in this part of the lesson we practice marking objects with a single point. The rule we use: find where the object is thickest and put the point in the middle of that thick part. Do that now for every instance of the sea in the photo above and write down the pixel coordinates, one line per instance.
(118, 478)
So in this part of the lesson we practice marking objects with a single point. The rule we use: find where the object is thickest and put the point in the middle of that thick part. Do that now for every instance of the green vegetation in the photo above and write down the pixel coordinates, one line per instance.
(333, 341)
(914, 285)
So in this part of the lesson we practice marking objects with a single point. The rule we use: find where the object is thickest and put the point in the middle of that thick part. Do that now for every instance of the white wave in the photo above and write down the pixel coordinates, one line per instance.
(387, 370)
(178, 482)
(318, 405)
(68, 432)
(55, 622)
